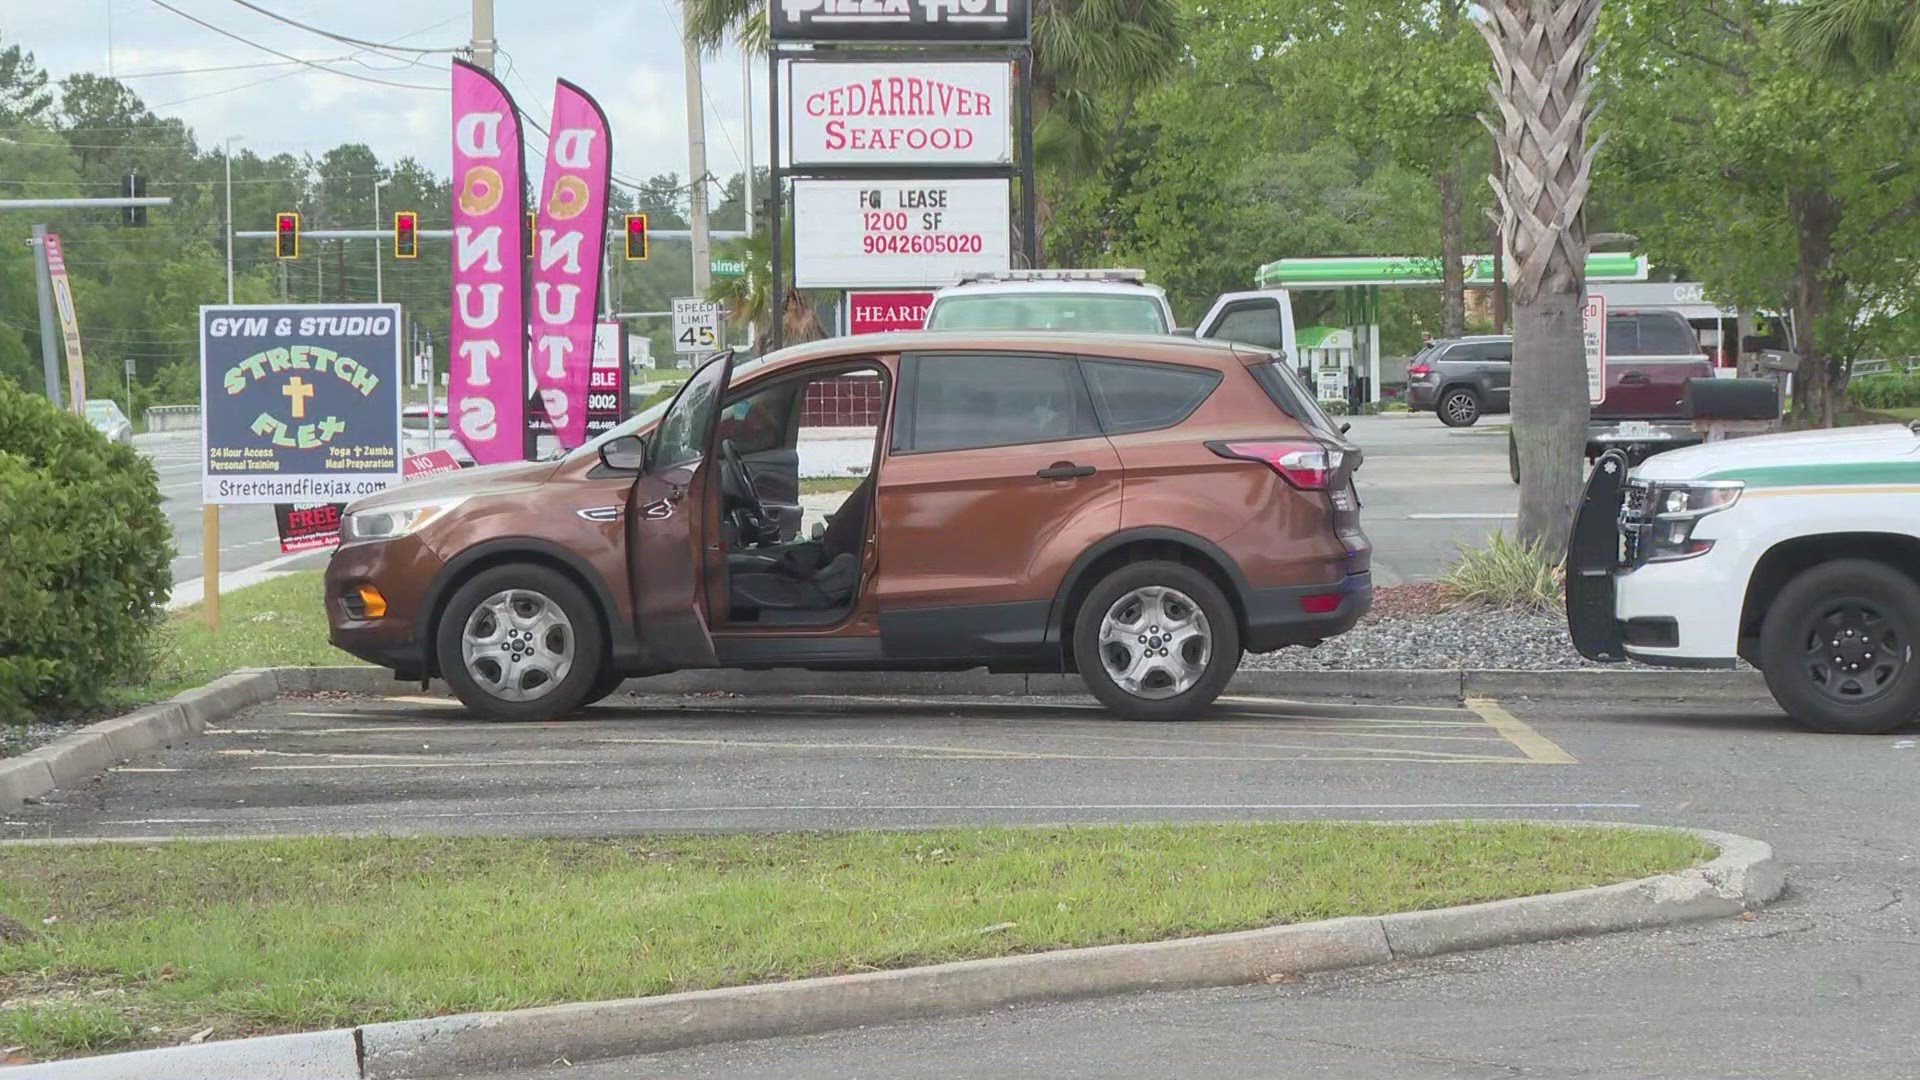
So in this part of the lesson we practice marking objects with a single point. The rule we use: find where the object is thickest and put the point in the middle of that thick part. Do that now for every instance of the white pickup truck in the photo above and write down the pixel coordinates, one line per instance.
(1798, 553)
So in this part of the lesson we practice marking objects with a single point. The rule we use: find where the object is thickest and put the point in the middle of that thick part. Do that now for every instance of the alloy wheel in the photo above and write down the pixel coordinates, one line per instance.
(518, 645)
(1155, 642)
(1460, 408)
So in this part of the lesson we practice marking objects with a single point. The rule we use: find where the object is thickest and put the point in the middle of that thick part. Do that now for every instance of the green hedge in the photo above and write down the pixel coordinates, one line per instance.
(1884, 392)
(84, 556)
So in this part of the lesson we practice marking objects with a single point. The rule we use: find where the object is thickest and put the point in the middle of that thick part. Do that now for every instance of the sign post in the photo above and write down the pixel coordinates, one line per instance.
(1593, 326)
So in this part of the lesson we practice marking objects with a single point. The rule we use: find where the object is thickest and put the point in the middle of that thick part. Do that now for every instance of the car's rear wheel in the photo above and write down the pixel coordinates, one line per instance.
(1459, 408)
(1156, 641)
(520, 642)
(1837, 648)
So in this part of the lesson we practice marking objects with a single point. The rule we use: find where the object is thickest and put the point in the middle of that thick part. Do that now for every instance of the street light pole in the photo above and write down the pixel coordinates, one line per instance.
(228, 155)
(379, 292)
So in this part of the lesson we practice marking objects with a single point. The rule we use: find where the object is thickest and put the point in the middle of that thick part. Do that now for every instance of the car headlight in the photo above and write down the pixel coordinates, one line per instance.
(1672, 511)
(390, 522)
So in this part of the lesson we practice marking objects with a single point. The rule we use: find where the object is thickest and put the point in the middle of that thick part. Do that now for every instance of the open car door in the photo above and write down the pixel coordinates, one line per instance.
(1263, 319)
(666, 523)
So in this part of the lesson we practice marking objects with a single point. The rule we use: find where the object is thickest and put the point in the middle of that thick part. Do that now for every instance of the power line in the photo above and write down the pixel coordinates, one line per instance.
(289, 56)
(461, 49)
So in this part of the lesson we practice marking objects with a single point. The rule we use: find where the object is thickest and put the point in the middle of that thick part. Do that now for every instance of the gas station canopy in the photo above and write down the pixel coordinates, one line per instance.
(1409, 270)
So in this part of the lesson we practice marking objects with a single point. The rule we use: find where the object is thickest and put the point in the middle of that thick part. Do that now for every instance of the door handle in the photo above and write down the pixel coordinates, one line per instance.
(1634, 378)
(1065, 470)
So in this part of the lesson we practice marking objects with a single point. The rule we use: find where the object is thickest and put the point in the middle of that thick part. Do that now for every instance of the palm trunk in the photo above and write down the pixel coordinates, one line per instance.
(1820, 384)
(1541, 56)
(1453, 253)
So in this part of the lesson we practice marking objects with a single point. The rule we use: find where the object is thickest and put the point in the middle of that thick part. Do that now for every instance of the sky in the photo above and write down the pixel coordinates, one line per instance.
(626, 53)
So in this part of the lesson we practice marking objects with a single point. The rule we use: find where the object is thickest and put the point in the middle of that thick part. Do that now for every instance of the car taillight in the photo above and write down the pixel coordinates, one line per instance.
(1420, 371)
(1308, 466)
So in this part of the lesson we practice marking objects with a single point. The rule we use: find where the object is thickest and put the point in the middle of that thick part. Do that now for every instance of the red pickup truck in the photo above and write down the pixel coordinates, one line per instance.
(1650, 356)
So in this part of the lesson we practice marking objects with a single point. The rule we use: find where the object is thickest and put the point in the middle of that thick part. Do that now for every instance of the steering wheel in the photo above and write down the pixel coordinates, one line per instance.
(743, 482)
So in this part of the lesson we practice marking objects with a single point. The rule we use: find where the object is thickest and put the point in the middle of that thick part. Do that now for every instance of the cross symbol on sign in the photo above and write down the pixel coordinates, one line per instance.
(298, 391)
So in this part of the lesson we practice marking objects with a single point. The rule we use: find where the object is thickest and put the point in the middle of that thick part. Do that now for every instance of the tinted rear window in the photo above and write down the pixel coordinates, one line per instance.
(1139, 397)
(1284, 388)
(1650, 333)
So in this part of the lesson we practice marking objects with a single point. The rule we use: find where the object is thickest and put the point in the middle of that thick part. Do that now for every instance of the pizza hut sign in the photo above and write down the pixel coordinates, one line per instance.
(900, 114)
(931, 21)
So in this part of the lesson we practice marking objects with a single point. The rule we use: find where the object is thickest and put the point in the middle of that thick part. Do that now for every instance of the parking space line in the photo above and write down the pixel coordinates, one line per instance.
(1536, 746)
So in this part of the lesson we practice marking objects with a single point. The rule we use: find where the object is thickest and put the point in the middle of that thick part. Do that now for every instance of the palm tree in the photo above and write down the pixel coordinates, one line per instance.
(748, 300)
(1091, 60)
(1542, 58)
(1876, 34)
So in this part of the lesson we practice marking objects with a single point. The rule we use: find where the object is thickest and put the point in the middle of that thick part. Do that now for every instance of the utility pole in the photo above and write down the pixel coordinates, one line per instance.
(379, 291)
(228, 154)
(483, 43)
(696, 159)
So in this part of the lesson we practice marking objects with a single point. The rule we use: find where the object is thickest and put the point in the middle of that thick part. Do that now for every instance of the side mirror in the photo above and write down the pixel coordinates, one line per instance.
(628, 453)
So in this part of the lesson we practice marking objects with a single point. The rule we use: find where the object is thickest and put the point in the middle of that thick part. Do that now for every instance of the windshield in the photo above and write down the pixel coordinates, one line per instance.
(650, 415)
(1125, 313)
(100, 411)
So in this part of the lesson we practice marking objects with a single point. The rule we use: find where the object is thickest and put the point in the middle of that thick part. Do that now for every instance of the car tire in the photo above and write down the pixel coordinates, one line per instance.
(603, 688)
(1872, 612)
(1171, 603)
(1458, 407)
(505, 628)
(1513, 456)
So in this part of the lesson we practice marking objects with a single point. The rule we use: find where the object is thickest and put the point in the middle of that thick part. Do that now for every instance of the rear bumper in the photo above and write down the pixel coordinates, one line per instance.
(1421, 397)
(1277, 618)
(1640, 436)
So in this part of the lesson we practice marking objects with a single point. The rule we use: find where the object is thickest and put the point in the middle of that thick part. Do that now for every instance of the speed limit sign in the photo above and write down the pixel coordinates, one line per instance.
(696, 325)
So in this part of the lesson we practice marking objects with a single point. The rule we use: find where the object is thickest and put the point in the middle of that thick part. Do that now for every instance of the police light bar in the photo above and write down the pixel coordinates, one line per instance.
(1130, 277)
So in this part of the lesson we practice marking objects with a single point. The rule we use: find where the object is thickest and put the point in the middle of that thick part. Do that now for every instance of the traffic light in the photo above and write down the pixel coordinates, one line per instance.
(286, 236)
(406, 234)
(134, 187)
(636, 237)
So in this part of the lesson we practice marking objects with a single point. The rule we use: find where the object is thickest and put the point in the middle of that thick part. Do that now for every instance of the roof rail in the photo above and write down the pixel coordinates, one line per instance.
(1134, 277)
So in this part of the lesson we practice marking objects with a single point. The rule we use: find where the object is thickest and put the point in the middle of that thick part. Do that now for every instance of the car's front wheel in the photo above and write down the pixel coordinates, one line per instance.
(1156, 641)
(1837, 648)
(1459, 408)
(520, 642)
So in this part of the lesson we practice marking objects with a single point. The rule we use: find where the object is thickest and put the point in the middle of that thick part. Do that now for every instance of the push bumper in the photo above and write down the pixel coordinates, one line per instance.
(1674, 614)
(1305, 615)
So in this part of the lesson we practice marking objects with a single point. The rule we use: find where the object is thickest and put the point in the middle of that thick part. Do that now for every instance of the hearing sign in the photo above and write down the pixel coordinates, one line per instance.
(299, 403)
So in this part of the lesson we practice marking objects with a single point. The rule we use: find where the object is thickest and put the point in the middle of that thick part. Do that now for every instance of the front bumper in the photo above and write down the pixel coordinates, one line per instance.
(1684, 613)
(402, 570)
(1280, 617)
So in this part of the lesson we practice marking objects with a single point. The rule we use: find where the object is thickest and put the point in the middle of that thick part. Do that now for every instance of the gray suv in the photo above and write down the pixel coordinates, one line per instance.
(1461, 379)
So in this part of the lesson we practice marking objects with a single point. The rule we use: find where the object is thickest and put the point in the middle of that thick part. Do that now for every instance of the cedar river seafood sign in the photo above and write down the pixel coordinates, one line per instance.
(299, 403)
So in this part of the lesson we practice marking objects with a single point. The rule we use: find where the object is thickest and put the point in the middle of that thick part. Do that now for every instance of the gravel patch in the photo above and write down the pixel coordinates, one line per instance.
(1470, 638)
(16, 739)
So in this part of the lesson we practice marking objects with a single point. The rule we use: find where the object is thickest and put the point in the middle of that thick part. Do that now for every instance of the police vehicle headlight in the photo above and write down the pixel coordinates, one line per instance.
(390, 522)
(1676, 508)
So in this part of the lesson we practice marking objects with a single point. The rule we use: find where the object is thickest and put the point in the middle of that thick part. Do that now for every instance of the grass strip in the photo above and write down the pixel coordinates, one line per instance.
(114, 947)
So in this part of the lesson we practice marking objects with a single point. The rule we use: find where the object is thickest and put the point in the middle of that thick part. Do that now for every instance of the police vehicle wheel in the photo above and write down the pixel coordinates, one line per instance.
(1838, 648)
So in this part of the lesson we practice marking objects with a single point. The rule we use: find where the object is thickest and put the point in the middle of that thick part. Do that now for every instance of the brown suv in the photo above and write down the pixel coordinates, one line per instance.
(1140, 509)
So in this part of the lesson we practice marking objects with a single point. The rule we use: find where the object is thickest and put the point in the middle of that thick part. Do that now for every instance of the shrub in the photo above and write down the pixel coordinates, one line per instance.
(1884, 392)
(1334, 408)
(1504, 574)
(84, 557)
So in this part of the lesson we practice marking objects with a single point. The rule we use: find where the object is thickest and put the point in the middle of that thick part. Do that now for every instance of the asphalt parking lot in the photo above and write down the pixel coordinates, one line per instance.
(1820, 985)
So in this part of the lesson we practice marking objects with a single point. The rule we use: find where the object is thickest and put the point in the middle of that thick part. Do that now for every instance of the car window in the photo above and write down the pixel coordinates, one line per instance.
(682, 436)
(100, 412)
(646, 418)
(1139, 397)
(1251, 322)
(1500, 351)
(1650, 333)
(1131, 314)
(973, 400)
(758, 422)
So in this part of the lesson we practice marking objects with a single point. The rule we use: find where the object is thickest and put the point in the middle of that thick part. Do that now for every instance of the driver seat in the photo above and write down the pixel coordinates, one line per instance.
(813, 576)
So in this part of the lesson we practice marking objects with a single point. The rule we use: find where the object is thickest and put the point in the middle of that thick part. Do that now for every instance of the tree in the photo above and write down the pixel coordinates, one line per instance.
(1541, 58)
(24, 97)
(1781, 187)
(1876, 34)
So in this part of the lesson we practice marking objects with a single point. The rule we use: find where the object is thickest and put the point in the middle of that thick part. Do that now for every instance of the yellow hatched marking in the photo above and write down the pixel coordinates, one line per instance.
(1537, 747)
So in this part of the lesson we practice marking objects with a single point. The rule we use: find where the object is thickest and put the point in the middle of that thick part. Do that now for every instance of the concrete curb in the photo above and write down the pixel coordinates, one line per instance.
(79, 757)
(1741, 877)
